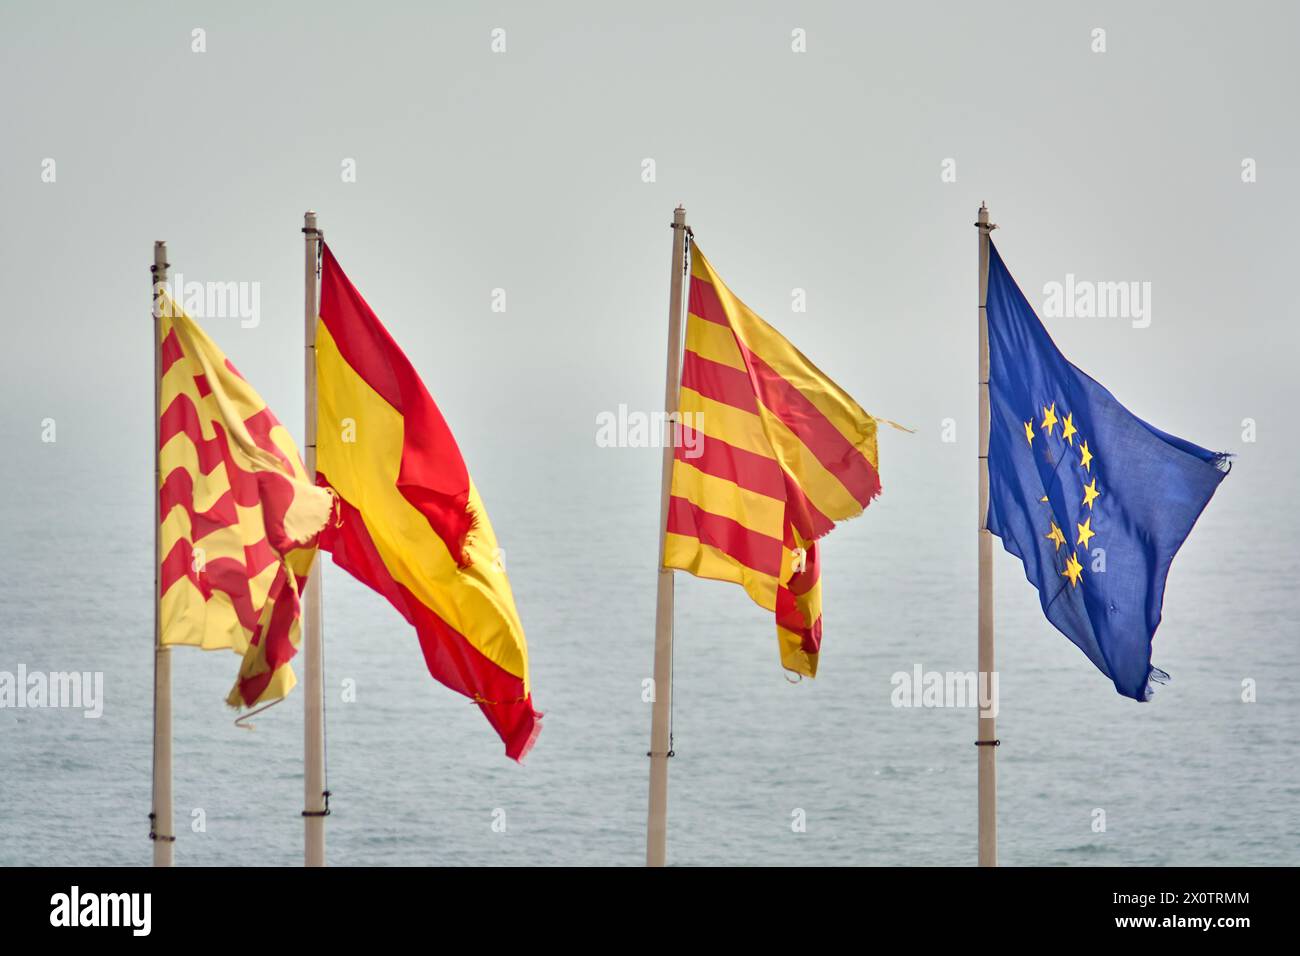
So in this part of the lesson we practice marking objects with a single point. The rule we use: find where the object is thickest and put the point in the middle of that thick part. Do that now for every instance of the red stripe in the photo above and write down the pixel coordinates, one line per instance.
(259, 427)
(705, 303)
(279, 649)
(788, 613)
(791, 618)
(753, 472)
(801, 582)
(226, 575)
(171, 352)
(836, 454)
(182, 416)
(715, 457)
(178, 489)
(433, 476)
(802, 513)
(251, 688)
(719, 382)
(276, 492)
(450, 657)
(754, 550)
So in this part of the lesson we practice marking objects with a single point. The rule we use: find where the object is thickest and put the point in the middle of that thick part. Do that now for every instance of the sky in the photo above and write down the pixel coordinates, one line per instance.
(523, 170)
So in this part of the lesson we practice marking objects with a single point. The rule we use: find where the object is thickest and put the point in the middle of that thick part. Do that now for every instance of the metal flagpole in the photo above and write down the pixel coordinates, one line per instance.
(315, 801)
(986, 738)
(660, 722)
(161, 829)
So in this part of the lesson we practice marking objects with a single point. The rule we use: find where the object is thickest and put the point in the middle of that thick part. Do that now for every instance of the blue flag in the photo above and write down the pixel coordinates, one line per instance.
(1092, 499)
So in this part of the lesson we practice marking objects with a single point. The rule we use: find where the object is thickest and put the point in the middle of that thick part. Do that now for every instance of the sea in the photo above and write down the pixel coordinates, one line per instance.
(767, 771)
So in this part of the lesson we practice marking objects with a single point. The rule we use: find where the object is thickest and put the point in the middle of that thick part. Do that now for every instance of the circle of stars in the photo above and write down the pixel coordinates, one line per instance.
(1073, 567)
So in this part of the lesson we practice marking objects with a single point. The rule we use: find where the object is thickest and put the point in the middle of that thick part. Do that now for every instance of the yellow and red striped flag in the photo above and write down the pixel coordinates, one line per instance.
(773, 453)
(411, 524)
(238, 514)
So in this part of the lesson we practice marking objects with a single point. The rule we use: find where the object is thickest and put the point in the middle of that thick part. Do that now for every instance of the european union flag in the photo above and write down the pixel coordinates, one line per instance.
(1092, 499)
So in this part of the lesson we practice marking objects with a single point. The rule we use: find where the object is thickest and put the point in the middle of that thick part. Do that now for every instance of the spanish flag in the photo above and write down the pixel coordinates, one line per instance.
(411, 524)
(773, 454)
(238, 513)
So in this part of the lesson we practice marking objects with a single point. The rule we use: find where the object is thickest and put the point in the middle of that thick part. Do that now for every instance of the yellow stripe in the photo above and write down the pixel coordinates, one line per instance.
(705, 561)
(713, 342)
(810, 602)
(718, 496)
(726, 423)
(281, 683)
(476, 601)
(823, 489)
(299, 560)
(700, 267)
(211, 625)
(793, 656)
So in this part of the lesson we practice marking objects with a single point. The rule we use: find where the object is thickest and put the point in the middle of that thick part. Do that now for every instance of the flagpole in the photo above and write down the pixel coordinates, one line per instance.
(661, 740)
(314, 795)
(986, 738)
(161, 829)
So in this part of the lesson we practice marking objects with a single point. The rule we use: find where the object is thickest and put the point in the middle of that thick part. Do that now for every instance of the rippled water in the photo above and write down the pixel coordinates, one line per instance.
(1195, 777)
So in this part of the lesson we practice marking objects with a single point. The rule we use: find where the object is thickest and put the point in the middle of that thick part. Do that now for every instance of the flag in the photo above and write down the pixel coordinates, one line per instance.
(411, 523)
(1093, 500)
(238, 514)
(770, 454)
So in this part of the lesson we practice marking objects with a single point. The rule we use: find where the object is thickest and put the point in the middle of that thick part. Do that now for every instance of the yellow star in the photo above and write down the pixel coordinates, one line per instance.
(1085, 532)
(1049, 417)
(1073, 570)
(1086, 456)
(1090, 493)
(1056, 536)
(1069, 430)
(1044, 498)
(1029, 433)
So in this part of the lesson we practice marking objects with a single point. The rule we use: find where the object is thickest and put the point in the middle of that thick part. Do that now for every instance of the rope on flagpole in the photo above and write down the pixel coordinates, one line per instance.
(242, 721)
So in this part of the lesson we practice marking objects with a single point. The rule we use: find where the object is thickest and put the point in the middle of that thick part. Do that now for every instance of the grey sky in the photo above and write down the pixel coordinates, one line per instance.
(522, 171)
